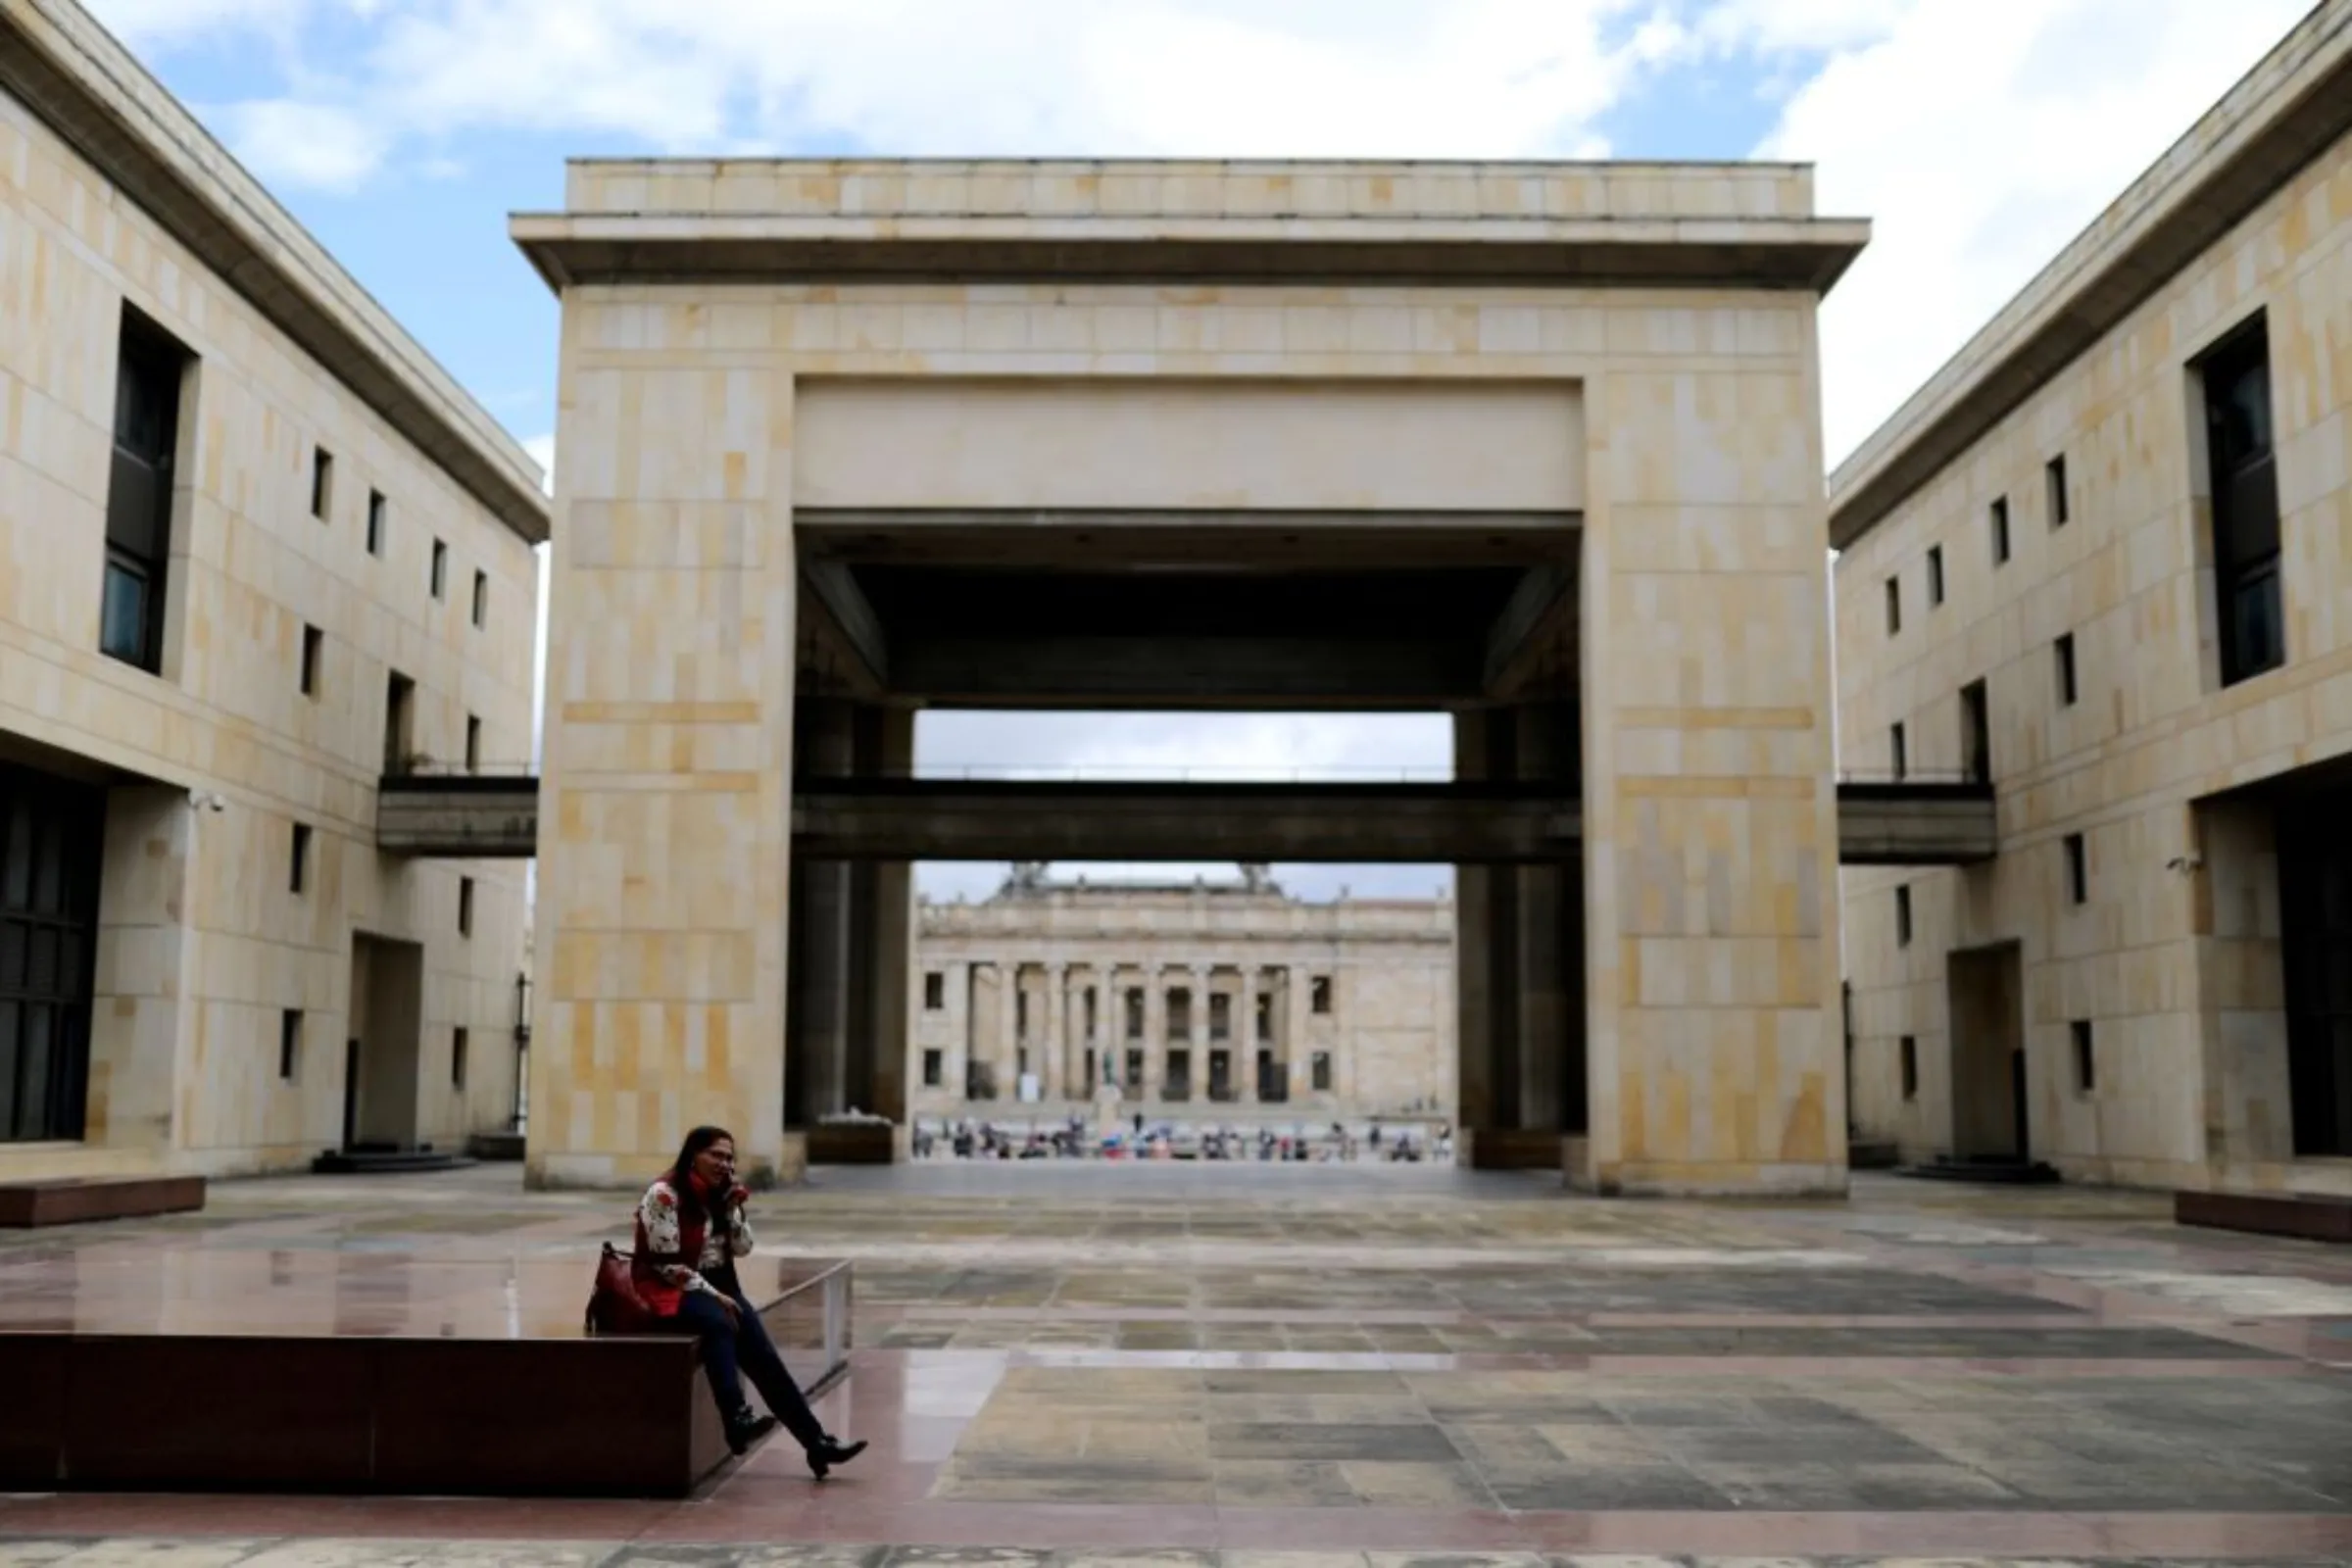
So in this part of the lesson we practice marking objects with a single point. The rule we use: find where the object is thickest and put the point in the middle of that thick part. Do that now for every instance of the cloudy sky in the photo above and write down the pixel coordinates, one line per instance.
(1978, 135)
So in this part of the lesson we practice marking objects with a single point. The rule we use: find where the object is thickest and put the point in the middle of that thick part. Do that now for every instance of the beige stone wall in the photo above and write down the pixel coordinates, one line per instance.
(1712, 928)
(204, 944)
(1390, 1031)
(2175, 966)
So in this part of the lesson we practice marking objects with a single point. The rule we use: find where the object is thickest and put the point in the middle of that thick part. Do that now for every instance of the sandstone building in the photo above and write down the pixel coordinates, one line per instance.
(1205, 1001)
(2104, 559)
(256, 552)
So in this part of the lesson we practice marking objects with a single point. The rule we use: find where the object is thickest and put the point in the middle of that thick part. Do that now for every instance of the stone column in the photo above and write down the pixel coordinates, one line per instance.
(1545, 757)
(1711, 940)
(959, 986)
(888, 1046)
(140, 1025)
(660, 959)
(1007, 1057)
(824, 911)
(1196, 1085)
(1299, 1031)
(1245, 1035)
(1056, 1041)
(1155, 1030)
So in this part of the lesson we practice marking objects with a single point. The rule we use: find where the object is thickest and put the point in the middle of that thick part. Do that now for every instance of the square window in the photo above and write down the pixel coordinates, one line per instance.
(1900, 752)
(935, 992)
(2055, 479)
(465, 905)
(323, 481)
(458, 1042)
(1902, 916)
(1910, 1067)
(299, 869)
(313, 643)
(2064, 653)
(440, 580)
(375, 523)
(1935, 574)
(934, 1066)
(289, 1045)
(2087, 1076)
(481, 599)
(1319, 993)
(2078, 868)
(1894, 605)
(2000, 531)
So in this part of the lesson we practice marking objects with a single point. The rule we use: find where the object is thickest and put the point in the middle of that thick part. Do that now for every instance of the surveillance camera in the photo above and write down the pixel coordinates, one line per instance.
(2183, 862)
(219, 803)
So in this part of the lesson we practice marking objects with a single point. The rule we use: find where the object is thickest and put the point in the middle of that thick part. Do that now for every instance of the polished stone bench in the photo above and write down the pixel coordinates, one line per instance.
(78, 1200)
(2308, 1217)
(333, 1370)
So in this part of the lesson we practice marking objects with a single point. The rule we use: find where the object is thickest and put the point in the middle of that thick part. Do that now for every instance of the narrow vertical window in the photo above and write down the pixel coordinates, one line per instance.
(481, 599)
(314, 641)
(323, 481)
(2249, 597)
(1319, 993)
(298, 874)
(289, 1045)
(2078, 870)
(1976, 732)
(375, 523)
(440, 577)
(465, 905)
(1999, 519)
(2064, 653)
(1935, 575)
(1902, 916)
(458, 1039)
(1894, 605)
(2087, 1076)
(935, 992)
(2053, 479)
(1900, 752)
(474, 744)
(1910, 1066)
(150, 370)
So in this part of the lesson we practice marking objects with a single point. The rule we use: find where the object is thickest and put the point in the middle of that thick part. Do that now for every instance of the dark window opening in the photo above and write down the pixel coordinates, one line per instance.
(440, 579)
(465, 905)
(1135, 1014)
(458, 1042)
(1266, 1015)
(1976, 732)
(299, 866)
(1020, 1010)
(934, 1067)
(52, 845)
(2314, 916)
(1134, 1081)
(1319, 1068)
(400, 703)
(1220, 1015)
(1319, 993)
(375, 523)
(1894, 605)
(314, 641)
(1902, 916)
(2078, 868)
(935, 992)
(1094, 1010)
(474, 744)
(1935, 574)
(2064, 650)
(1910, 1067)
(150, 370)
(2000, 531)
(2248, 595)
(1180, 1014)
(1180, 1075)
(481, 599)
(2054, 478)
(323, 481)
(2086, 1077)
(289, 1045)
(1900, 753)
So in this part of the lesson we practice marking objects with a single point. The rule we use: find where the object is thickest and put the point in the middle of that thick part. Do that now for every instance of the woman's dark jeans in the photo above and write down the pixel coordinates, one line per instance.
(734, 1352)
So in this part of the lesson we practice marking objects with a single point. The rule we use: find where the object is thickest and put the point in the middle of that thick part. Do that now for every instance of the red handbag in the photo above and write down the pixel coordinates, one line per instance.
(614, 1305)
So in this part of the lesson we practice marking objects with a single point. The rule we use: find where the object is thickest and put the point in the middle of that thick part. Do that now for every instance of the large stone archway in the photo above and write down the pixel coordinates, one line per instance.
(1536, 444)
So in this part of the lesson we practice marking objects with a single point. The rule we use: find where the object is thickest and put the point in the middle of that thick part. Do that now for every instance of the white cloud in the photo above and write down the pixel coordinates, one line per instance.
(287, 142)
(1978, 150)
(155, 23)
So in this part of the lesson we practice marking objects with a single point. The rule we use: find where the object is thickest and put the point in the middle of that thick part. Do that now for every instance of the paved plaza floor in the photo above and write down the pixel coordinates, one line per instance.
(1371, 1368)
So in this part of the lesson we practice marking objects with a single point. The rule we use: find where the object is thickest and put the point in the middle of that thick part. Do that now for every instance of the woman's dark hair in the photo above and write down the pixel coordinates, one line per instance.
(681, 1172)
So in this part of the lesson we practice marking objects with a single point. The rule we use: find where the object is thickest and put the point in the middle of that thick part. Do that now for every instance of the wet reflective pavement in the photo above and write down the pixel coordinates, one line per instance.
(1307, 1367)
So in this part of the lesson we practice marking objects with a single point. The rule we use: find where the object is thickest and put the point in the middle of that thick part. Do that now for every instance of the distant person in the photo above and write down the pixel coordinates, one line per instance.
(690, 1231)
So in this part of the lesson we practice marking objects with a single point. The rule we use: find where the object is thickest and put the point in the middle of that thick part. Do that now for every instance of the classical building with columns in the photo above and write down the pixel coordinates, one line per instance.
(1203, 999)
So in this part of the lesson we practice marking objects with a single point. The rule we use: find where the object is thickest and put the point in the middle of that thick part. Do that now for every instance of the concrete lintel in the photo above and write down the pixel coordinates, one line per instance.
(1111, 540)
(1184, 672)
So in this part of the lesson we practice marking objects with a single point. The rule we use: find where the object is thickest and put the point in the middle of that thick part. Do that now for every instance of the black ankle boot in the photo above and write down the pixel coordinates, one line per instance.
(744, 1429)
(832, 1451)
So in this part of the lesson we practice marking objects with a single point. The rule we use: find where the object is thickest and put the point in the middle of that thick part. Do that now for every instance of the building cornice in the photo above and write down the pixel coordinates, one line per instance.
(2278, 118)
(86, 88)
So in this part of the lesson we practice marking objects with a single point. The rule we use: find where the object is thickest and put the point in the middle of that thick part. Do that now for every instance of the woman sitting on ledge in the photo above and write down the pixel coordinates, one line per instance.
(690, 1231)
